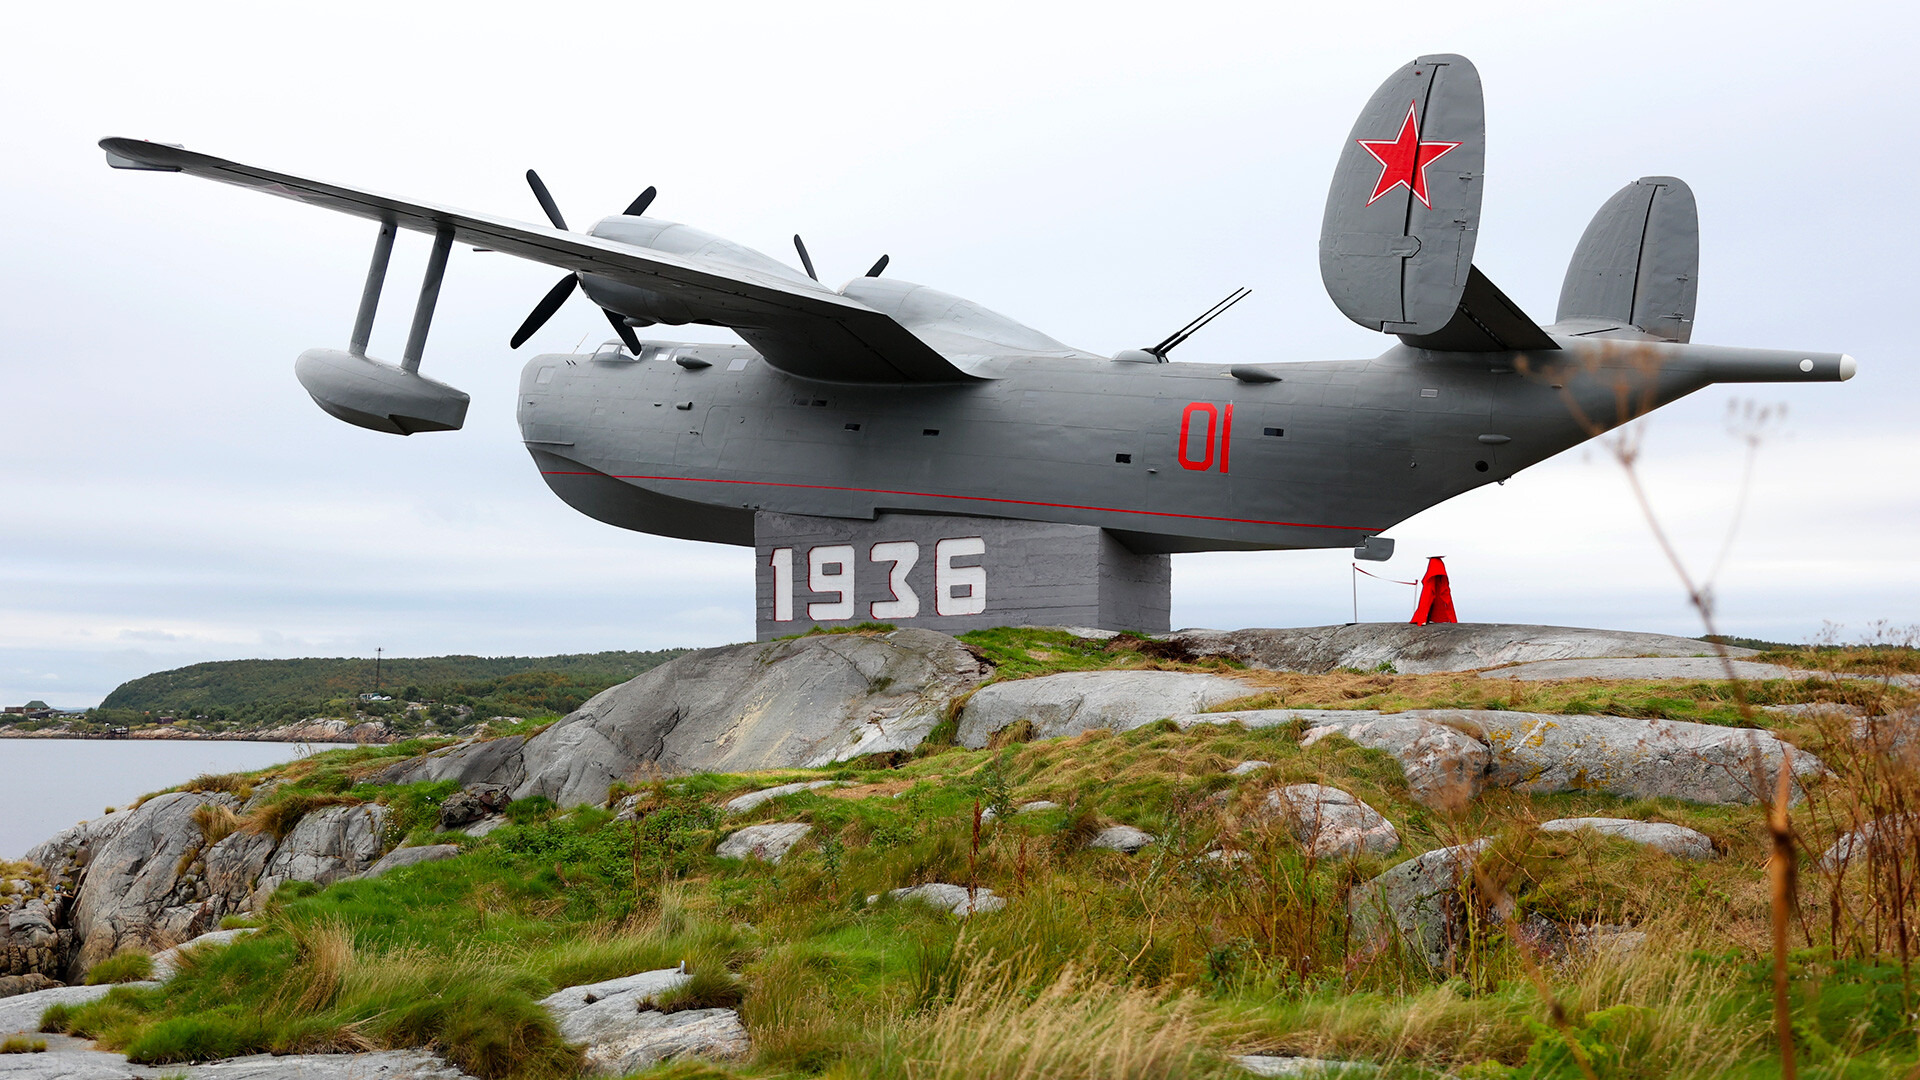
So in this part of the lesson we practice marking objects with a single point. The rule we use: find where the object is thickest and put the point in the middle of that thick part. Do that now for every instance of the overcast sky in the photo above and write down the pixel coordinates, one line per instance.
(1100, 171)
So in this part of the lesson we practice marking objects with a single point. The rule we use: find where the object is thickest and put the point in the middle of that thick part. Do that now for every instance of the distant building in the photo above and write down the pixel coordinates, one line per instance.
(375, 697)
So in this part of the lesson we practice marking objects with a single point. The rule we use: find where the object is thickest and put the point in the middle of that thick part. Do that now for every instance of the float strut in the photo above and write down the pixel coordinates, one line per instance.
(370, 296)
(429, 295)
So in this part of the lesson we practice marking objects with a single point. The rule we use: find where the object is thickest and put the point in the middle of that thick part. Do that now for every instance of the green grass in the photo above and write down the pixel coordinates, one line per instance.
(127, 965)
(1173, 959)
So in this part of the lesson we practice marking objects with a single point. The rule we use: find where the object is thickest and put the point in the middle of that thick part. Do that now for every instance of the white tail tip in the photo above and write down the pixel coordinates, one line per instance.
(1848, 365)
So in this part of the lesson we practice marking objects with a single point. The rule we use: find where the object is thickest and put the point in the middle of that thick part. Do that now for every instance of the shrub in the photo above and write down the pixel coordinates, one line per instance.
(127, 965)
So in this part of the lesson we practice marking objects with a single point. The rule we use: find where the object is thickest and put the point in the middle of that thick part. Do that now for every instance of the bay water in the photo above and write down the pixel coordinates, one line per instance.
(49, 784)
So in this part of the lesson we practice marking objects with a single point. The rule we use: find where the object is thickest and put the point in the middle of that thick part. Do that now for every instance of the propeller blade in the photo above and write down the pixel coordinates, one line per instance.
(877, 267)
(626, 333)
(544, 310)
(640, 203)
(801, 247)
(546, 200)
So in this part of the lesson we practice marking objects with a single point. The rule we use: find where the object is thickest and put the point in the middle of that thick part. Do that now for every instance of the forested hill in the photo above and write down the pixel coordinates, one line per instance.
(242, 686)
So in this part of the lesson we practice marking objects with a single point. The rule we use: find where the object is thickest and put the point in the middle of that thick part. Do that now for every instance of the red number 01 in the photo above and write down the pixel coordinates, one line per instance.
(1222, 419)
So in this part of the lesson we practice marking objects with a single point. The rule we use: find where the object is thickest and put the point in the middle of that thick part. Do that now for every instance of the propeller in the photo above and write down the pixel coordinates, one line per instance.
(806, 261)
(563, 288)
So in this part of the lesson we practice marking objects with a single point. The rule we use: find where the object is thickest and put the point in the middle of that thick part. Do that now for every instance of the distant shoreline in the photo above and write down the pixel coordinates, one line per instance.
(272, 735)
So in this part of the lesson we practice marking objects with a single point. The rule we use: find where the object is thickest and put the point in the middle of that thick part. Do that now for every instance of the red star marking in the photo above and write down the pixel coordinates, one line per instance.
(1404, 159)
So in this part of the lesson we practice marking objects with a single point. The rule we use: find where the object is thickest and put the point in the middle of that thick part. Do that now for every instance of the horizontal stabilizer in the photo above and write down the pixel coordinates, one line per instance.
(1484, 321)
(1402, 215)
(1638, 263)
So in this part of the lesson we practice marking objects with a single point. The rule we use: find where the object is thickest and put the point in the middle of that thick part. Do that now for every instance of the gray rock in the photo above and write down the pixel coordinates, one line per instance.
(621, 1035)
(476, 761)
(167, 961)
(1445, 767)
(71, 850)
(328, 844)
(952, 899)
(1078, 701)
(768, 843)
(67, 1063)
(635, 990)
(21, 1012)
(32, 982)
(1698, 668)
(743, 803)
(30, 942)
(1122, 838)
(410, 856)
(1266, 1065)
(621, 1041)
(1418, 650)
(1880, 837)
(1246, 767)
(802, 702)
(1639, 759)
(1676, 840)
(1418, 904)
(1330, 823)
(140, 890)
(472, 804)
(1037, 806)
(232, 870)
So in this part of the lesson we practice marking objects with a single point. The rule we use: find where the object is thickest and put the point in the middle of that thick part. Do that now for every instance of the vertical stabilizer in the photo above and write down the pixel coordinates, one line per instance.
(1638, 263)
(1397, 241)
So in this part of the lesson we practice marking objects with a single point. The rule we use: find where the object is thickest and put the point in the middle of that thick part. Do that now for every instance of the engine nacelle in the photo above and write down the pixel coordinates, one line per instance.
(370, 394)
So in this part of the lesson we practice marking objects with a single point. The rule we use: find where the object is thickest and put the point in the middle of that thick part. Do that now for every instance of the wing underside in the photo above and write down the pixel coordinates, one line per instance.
(811, 332)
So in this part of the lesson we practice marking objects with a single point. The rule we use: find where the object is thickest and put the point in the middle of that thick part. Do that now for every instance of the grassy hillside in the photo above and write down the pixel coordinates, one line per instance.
(250, 693)
(1225, 936)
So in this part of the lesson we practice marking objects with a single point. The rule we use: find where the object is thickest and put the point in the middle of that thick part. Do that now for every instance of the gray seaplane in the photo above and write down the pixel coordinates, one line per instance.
(883, 396)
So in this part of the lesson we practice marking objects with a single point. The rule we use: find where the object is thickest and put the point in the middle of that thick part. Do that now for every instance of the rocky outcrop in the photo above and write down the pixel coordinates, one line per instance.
(1450, 755)
(22, 1011)
(1419, 650)
(144, 888)
(1445, 768)
(30, 942)
(1633, 758)
(1122, 838)
(622, 1031)
(410, 856)
(768, 843)
(740, 804)
(805, 701)
(1078, 701)
(167, 961)
(1881, 839)
(1676, 840)
(73, 1064)
(328, 844)
(1329, 822)
(1418, 904)
(146, 877)
(469, 805)
(11, 985)
(952, 899)
(1316, 1068)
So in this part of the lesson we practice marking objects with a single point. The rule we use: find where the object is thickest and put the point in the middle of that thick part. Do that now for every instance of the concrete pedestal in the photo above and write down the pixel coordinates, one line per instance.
(951, 574)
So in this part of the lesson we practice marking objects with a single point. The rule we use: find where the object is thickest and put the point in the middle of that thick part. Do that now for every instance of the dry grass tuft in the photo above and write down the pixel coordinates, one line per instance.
(278, 818)
(323, 956)
(1074, 1026)
(216, 822)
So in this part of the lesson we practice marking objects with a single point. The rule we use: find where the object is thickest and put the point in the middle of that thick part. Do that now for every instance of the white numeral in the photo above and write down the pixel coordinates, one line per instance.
(903, 554)
(947, 578)
(782, 561)
(839, 556)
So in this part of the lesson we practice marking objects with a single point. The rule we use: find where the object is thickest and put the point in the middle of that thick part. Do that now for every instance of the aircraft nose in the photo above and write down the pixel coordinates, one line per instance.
(1848, 365)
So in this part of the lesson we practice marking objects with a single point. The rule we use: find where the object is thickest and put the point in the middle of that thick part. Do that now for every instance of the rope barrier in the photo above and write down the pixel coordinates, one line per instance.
(1377, 577)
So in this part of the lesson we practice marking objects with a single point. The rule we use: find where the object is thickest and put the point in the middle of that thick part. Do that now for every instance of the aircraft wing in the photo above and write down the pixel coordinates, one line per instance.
(811, 332)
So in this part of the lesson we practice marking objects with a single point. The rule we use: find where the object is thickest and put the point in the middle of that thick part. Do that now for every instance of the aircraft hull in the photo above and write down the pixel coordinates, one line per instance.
(690, 440)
